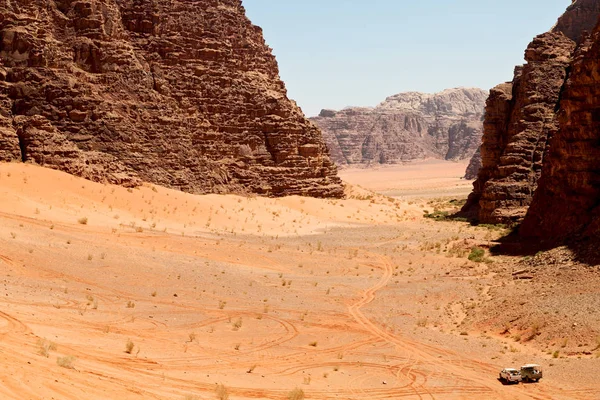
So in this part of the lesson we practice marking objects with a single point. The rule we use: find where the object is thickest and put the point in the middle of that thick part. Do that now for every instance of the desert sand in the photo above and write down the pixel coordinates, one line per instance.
(419, 179)
(150, 293)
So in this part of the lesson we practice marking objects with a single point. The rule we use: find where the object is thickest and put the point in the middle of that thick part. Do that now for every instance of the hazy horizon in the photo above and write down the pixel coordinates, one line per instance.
(338, 54)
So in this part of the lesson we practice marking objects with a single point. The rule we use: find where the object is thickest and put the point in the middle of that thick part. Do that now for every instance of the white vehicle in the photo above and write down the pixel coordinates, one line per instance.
(510, 375)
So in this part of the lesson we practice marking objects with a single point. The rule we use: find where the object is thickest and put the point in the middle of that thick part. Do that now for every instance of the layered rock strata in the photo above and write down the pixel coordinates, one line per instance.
(567, 201)
(406, 127)
(180, 93)
(521, 118)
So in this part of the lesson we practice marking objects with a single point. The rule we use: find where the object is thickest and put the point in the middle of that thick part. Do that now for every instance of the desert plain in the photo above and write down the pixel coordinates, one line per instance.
(150, 293)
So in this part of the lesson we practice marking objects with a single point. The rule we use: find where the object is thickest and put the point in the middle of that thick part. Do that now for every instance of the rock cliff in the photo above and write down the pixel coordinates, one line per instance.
(567, 201)
(521, 119)
(180, 93)
(406, 127)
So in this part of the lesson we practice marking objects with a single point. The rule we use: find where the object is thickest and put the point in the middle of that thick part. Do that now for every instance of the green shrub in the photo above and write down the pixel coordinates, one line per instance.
(477, 254)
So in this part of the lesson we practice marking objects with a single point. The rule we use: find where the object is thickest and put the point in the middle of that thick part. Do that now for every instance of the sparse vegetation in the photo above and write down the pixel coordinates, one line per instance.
(237, 324)
(296, 394)
(556, 354)
(82, 221)
(222, 392)
(66, 362)
(437, 215)
(129, 346)
(477, 255)
(45, 347)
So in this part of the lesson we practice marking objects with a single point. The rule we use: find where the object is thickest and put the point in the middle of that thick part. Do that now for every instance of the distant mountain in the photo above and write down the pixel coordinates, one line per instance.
(406, 127)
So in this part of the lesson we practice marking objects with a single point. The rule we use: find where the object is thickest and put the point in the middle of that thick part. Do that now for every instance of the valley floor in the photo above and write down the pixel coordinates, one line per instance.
(149, 293)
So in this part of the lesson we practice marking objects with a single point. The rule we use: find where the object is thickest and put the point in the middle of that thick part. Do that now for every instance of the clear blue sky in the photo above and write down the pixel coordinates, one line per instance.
(338, 53)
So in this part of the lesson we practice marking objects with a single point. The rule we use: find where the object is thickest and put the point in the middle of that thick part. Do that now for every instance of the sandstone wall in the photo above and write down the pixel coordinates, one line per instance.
(580, 17)
(521, 119)
(567, 201)
(181, 93)
(406, 127)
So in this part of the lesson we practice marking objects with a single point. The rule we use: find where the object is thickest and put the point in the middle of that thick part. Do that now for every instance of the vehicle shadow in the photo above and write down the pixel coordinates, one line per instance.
(506, 383)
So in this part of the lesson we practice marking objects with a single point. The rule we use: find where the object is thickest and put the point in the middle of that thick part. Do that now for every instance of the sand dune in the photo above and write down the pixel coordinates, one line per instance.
(149, 293)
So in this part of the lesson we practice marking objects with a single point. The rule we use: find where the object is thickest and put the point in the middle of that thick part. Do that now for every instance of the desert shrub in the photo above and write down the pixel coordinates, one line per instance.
(222, 393)
(296, 394)
(129, 346)
(45, 347)
(66, 362)
(437, 215)
(477, 254)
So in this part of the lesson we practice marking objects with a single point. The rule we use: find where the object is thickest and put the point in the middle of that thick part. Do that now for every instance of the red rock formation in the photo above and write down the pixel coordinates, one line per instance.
(181, 93)
(406, 127)
(521, 118)
(567, 201)
(581, 16)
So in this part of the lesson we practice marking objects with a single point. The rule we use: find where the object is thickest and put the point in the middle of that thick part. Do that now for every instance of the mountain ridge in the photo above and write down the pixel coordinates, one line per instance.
(405, 127)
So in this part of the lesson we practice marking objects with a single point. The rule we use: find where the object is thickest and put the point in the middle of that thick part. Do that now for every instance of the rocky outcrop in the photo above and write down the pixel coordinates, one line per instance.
(474, 166)
(180, 93)
(521, 117)
(567, 201)
(406, 127)
(581, 17)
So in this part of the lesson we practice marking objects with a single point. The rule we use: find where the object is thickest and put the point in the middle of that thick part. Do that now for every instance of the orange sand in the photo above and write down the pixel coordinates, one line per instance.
(260, 295)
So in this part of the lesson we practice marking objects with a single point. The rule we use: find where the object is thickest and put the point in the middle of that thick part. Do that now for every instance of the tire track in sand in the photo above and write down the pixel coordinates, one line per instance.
(430, 354)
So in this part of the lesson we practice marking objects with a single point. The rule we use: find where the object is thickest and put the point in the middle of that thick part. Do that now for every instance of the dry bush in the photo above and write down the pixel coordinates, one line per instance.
(45, 346)
(66, 362)
(83, 221)
(129, 346)
(237, 324)
(296, 394)
(222, 392)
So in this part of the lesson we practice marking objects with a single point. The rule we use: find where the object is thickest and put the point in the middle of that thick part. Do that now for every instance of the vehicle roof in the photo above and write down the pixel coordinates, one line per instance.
(510, 369)
(530, 365)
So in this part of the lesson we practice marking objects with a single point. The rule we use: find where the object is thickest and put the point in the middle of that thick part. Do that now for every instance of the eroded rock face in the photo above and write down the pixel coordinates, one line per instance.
(474, 166)
(406, 127)
(521, 118)
(581, 16)
(181, 93)
(567, 201)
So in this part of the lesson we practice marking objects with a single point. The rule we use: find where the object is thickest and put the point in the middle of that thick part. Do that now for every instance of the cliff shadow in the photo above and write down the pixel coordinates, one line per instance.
(583, 249)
